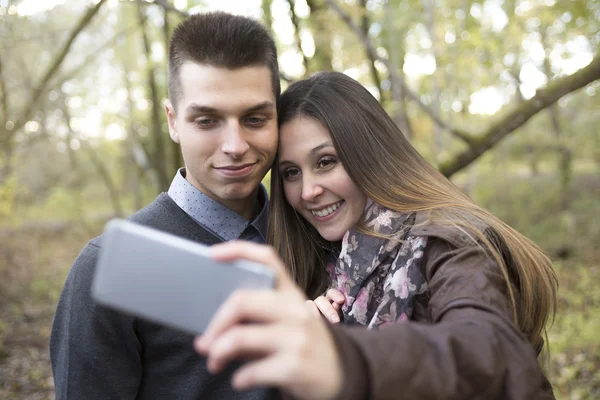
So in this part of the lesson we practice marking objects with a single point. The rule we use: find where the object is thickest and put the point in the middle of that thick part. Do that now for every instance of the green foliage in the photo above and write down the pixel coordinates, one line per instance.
(575, 349)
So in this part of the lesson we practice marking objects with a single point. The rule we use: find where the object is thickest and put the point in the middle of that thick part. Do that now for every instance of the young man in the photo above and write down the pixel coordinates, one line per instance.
(223, 92)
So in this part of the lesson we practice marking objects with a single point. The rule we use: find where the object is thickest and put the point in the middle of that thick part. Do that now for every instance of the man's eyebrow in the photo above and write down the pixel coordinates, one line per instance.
(199, 108)
(312, 151)
(265, 105)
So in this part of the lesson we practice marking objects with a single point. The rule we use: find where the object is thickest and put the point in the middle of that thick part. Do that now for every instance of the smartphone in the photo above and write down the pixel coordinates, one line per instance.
(167, 279)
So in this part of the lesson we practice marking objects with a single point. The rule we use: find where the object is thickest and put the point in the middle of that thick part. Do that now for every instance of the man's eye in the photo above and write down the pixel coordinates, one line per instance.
(256, 121)
(204, 122)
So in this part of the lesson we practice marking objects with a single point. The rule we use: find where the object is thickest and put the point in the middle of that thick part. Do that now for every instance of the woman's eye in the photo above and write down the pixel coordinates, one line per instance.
(326, 162)
(291, 173)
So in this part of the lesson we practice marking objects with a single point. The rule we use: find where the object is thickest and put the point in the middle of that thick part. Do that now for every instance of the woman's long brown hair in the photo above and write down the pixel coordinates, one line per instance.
(387, 168)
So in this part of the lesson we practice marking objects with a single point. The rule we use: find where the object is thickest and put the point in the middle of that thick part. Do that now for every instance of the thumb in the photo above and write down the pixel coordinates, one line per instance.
(259, 253)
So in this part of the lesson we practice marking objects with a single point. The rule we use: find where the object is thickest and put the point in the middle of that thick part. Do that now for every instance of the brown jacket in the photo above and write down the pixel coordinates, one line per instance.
(462, 344)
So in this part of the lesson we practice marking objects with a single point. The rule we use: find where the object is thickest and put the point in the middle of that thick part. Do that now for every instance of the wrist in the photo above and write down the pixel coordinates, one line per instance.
(354, 372)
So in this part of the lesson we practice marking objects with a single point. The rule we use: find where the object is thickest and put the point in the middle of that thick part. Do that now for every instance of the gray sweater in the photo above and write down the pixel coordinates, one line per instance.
(98, 353)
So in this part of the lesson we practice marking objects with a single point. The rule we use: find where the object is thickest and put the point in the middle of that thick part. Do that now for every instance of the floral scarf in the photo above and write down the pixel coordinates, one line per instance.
(380, 276)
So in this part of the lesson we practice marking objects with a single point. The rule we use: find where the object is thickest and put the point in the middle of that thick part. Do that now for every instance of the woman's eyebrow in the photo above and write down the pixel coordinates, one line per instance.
(312, 151)
(322, 146)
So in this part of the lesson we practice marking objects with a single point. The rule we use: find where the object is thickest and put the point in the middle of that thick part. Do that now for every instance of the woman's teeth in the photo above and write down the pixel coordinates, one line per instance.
(326, 211)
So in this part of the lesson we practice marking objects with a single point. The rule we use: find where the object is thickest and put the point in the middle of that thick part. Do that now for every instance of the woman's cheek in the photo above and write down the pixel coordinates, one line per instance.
(292, 195)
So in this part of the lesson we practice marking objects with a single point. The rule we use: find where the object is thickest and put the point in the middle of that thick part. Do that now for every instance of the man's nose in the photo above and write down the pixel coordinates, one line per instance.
(234, 142)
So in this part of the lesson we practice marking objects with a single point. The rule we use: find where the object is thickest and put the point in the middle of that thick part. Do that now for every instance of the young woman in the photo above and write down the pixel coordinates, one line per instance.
(456, 301)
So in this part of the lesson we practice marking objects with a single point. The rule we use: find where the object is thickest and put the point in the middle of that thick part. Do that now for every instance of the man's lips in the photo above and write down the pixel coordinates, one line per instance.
(236, 170)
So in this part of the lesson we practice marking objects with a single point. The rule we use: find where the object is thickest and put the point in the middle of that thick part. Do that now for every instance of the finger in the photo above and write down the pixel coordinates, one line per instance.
(313, 308)
(336, 296)
(327, 310)
(259, 253)
(240, 342)
(250, 305)
(267, 372)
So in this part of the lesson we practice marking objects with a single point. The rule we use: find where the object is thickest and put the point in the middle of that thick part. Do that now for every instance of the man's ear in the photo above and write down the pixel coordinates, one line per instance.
(172, 119)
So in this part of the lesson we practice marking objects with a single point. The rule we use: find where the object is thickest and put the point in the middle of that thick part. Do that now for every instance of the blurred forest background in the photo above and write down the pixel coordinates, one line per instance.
(502, 95)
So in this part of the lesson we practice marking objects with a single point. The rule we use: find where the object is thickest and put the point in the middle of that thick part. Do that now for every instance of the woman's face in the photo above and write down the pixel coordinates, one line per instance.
(315, 181)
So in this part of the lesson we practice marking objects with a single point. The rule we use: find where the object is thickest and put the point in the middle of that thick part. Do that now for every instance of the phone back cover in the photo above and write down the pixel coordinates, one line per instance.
(167, 279)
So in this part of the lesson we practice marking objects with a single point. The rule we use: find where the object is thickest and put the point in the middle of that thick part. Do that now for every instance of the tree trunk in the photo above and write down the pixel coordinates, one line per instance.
(365, 25)
(562, 148)
(158, 158)
(396, 53)
(297, 38)
(322, 35)
(101, 170)
(132, 168)
(429, 6)
(267, 16)
(176, 157)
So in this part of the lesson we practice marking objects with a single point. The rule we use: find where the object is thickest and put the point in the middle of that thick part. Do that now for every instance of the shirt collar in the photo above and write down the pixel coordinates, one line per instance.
(213, 215)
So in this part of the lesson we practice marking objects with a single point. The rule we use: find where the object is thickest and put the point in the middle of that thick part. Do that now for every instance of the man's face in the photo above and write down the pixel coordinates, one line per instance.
(226, 124)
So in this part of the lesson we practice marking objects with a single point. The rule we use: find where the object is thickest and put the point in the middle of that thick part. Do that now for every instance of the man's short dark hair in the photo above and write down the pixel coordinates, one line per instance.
(222, 40)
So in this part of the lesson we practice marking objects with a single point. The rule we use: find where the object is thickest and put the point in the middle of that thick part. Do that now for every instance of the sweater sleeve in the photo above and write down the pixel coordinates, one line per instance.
(471, 350)
(94, 351)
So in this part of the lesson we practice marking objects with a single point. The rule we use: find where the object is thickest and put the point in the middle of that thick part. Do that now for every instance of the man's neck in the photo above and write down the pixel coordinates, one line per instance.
(247, 208)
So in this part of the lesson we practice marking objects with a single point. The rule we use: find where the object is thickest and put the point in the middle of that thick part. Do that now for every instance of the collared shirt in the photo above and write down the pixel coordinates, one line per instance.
(217, 218)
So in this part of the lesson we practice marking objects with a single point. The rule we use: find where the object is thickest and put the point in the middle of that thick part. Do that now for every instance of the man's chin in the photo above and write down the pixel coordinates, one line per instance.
(239, 191)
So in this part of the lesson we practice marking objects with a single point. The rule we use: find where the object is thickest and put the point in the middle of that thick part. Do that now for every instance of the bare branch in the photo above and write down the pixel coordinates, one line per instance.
(396, 78)
(39, 90)
(3, 97)
(523, 113)
(364, 25)
(73, 72)
(169, 7)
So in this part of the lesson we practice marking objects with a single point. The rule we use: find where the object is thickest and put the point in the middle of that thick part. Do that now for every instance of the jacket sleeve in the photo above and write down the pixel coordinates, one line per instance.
(94, 351)
(471, 350)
